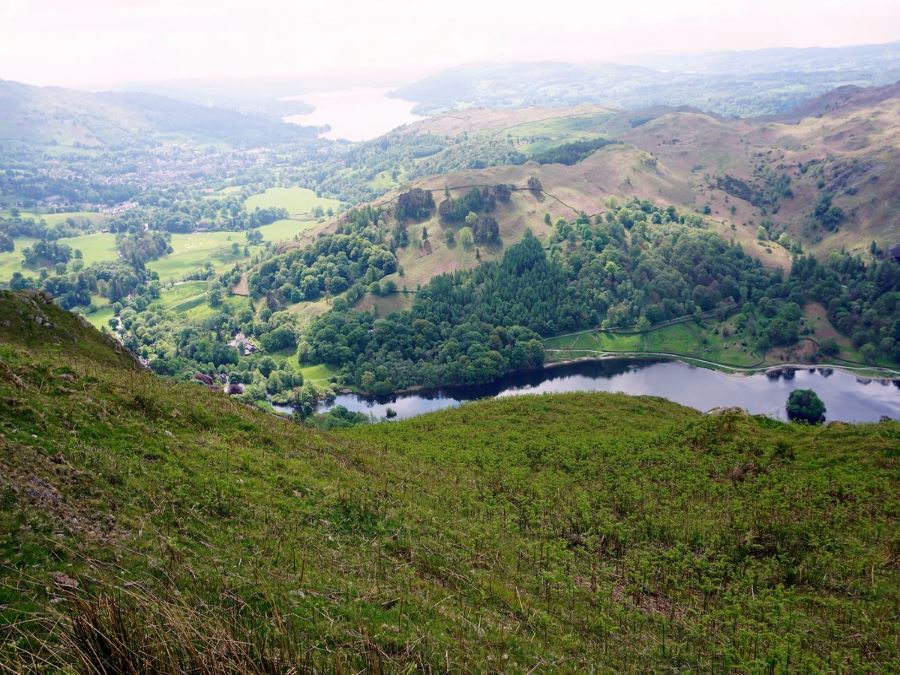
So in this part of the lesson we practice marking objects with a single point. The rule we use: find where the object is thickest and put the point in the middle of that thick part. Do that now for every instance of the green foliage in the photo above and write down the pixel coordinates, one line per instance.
(803, 405)
(571, 153)
(415, 204)
(331, 265)
(825, 215)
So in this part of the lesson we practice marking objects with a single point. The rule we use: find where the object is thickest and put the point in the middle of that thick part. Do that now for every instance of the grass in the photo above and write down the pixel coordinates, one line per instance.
(298, 201)
(318, 373)
(284, 230)
(189, 300)
(101, 317)
(95, 247)
(54, 218)
(702, 340)
(191, 251)
(549, 133)
(171, 527)
(11, 261)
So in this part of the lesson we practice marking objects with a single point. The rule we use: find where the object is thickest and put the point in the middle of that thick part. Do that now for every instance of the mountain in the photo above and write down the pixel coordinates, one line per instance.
(733, 83)
(150, 525)
(66, 117)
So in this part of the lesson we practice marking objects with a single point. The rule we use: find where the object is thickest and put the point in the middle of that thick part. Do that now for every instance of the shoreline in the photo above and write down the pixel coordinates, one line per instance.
(886, 374)
(728, 369)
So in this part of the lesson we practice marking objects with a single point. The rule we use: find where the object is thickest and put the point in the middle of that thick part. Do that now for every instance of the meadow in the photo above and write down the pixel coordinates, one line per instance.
(697, 339)
(297, 200)
(191, 251)
(284, 230)
(95, 247)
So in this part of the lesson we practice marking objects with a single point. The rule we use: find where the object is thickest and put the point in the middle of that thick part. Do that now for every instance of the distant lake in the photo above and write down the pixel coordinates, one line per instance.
(847, 398)
(358, 114)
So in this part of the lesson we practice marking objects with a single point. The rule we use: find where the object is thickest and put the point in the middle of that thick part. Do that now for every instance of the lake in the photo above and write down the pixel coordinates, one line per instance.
(357, 114)
(847, 397)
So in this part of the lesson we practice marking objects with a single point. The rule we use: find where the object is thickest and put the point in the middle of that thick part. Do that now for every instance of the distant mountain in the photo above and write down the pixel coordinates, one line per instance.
(739, 84)
(67, 117)
(869, 59)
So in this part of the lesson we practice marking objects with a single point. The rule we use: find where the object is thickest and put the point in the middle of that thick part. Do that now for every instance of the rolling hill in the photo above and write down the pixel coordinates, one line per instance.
(54, 116)
(149, 525)
(729, 83)
(842, 149)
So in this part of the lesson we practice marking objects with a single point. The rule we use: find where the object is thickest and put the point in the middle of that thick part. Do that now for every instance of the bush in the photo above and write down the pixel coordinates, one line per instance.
(804, 405)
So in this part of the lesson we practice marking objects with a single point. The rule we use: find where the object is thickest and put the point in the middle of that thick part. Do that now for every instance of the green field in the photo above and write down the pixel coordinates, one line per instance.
(694, 339)
(162, 523)
(188, 298)
(191, 251)
(11, 261)
(284, 230)
(54, 218)
(101, 317)
(546, 134)
(95, 247)
(298, 201)
(318, 373)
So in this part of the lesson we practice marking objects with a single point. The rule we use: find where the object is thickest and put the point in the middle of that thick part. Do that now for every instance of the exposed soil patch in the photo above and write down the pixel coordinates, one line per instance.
(242, 287)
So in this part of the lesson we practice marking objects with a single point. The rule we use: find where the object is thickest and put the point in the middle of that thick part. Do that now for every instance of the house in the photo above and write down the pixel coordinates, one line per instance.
(243, 344)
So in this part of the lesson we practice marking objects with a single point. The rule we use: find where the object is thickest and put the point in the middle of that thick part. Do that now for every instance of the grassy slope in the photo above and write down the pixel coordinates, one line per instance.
(551, 532)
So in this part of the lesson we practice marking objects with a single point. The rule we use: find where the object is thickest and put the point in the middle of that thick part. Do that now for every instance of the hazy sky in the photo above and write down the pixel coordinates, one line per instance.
(97, 42)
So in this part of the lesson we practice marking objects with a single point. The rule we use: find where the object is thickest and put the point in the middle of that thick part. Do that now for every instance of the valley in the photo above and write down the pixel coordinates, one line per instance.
(232, 248)
(404, 338)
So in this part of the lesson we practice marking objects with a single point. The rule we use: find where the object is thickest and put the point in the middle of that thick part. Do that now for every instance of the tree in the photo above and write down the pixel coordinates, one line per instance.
(466, 238)
(830, 347)
(803, 405)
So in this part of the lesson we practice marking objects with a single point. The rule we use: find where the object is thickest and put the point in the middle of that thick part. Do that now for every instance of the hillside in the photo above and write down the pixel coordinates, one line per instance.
(728, 83)
(150, 525)
(66, 117)
(821, 176)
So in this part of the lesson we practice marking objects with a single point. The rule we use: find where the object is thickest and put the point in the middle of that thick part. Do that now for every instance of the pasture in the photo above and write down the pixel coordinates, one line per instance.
(298, 201)
(191, 251)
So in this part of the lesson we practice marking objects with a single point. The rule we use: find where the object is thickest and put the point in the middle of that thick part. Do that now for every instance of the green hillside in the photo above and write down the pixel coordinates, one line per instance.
(147, 525)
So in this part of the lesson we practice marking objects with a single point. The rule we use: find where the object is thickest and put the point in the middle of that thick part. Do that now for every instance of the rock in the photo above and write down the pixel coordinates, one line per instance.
(63, 580)
(718, 412)
(68, 377)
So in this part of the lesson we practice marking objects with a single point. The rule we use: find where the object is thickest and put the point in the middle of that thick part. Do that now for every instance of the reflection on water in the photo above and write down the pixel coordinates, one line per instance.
(847, 397)
(358, 114)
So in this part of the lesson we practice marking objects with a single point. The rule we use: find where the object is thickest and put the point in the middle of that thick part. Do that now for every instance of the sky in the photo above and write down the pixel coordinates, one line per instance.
(96, 43)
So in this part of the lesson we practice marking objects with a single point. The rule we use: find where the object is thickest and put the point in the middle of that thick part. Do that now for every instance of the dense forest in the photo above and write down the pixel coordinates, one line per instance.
(330, 266)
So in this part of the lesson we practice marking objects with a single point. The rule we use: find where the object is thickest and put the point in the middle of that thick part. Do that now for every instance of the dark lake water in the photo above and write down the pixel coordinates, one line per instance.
(847, 398)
